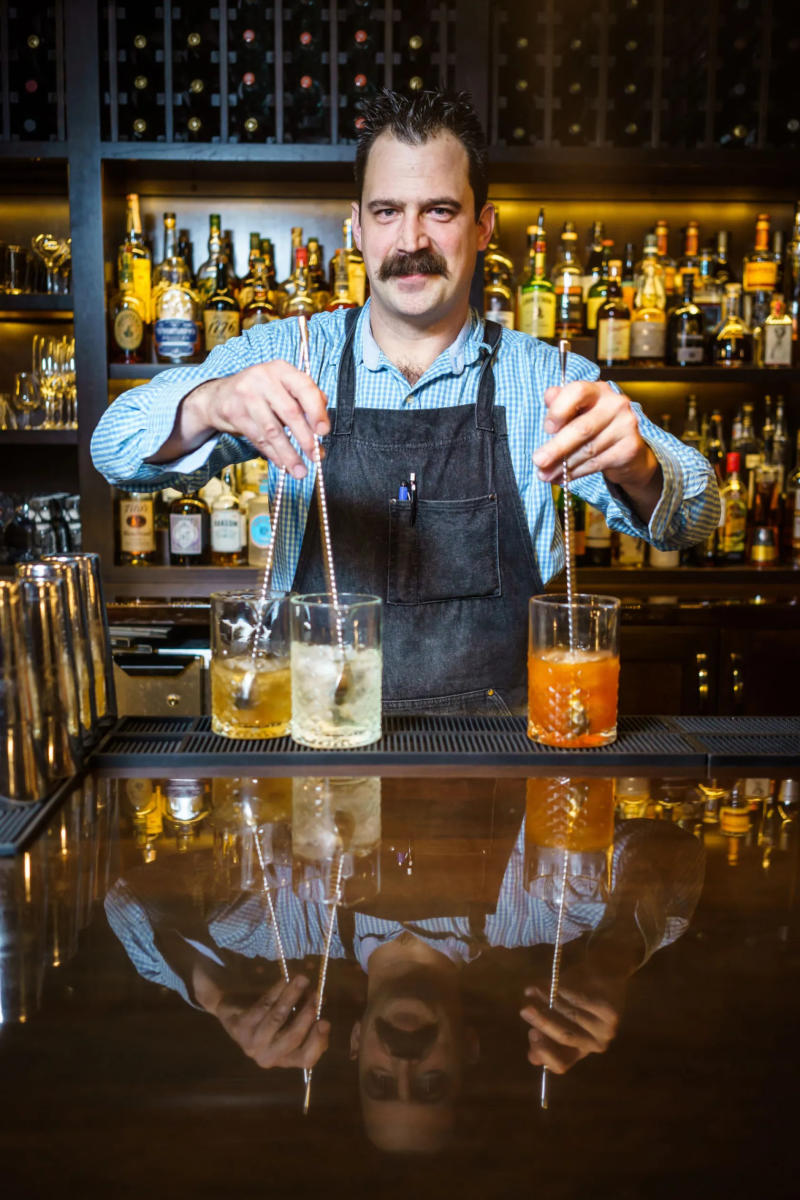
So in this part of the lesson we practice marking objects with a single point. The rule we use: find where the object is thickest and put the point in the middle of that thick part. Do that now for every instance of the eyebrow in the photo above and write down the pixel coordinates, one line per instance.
(436, 202)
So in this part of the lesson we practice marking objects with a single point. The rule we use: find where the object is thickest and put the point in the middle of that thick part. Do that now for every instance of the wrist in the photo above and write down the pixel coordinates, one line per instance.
(195, 420)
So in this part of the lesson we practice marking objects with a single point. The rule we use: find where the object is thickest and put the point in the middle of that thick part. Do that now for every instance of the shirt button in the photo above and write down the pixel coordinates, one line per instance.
(409, 399)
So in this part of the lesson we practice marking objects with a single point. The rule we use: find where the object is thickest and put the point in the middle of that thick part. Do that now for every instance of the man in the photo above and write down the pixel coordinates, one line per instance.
(416, 383)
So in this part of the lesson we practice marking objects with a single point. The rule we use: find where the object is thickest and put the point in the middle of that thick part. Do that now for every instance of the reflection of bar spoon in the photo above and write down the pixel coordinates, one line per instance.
(323, 969)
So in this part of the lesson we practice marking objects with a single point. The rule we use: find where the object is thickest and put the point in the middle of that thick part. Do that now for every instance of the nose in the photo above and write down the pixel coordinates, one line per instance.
(412, 235)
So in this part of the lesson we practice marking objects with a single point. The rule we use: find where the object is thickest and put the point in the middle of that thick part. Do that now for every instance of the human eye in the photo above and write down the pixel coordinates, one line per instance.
(380, 1086)
(432, 1087)
(442, 211)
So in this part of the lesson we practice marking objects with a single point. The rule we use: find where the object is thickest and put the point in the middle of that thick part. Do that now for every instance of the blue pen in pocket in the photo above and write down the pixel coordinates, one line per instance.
(402, 493)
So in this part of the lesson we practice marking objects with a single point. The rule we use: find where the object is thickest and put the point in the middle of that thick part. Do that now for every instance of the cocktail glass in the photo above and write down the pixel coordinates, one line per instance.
(569, 817)
(336, 822)
(336, 670)
(262, 708)
(573, 670)
(51, 250)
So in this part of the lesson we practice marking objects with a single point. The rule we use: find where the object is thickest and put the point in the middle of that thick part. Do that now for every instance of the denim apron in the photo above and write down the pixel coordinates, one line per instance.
(454, 568)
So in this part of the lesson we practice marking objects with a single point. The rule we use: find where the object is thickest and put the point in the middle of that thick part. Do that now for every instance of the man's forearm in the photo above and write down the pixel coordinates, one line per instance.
(191, 428)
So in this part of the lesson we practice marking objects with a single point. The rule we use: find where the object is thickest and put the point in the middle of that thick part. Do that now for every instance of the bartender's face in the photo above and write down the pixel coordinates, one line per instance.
(416, 227)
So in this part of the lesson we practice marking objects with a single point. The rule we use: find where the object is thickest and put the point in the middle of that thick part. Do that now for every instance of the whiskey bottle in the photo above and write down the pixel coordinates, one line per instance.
(780, 442)
(772, 340)
(289, 283)
(723, 272)
(733, 519)
(356, 271)
(578, 506)
(188, 531)
(689, 262)
(763, 543)
(498, 301)
(141, 259)
(246, 286)
(732, 342)
(301, 302)
(221, 313)
(715, 445)
(206, 278)
(759, 269)
(341, 291)
(598, 539)
(750, 449)
(628, 280)
(128, 319)
(691, 428)
(685, 329)
(614, 322)
(648, 320)
(176, 323)
(594, 258)
(567, 279)
(259, 526)
(537, 297)
(667, 263)
(317, 283)
(227, 548)
(495, 259)
(708, 292)
(136, 528)
(598, 292)
(260, 310)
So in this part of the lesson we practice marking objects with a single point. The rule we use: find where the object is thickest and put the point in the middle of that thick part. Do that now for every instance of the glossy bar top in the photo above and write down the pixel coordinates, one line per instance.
(149, 1043)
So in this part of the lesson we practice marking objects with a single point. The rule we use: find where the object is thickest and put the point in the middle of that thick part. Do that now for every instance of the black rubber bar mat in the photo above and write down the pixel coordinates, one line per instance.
(643, 744)
(767, 744)
(19, 823)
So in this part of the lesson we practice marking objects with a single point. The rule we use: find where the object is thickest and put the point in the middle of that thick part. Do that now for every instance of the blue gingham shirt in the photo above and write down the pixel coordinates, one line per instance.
(139, 422)
(664, 907)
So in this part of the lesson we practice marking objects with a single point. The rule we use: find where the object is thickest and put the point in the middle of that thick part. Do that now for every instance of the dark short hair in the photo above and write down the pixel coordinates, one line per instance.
(415, 119)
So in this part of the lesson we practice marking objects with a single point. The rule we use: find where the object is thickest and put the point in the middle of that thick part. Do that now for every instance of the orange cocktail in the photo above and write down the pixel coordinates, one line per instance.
(573, 670)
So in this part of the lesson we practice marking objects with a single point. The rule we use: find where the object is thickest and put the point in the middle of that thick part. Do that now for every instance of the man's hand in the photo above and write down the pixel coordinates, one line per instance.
(260, 404)
(595, 429)
(583, 1021)
(268, 1031)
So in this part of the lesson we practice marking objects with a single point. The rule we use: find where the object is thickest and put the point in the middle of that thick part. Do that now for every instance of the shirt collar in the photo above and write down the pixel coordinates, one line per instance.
(462, 351)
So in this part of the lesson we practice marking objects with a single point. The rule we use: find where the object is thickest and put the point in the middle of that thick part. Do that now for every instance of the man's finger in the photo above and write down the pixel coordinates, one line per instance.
(560, 1029)
(544, 1053)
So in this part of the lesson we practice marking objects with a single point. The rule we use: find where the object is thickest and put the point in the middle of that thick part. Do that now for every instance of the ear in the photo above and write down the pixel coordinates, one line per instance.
(485, 226)
(356, 214)
(355, 1040)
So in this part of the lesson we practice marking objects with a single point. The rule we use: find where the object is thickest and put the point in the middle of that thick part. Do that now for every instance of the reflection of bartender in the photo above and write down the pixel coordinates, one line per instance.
(421, 386)
(412, 1042)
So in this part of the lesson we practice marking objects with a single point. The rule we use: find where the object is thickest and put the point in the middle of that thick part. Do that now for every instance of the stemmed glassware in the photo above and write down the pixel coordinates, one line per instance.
(54, 368)
(53, 251)
(27, 397)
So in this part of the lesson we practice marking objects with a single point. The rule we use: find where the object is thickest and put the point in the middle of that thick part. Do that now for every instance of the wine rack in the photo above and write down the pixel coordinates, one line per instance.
(645, 73)
(32, 72)
(290, 71)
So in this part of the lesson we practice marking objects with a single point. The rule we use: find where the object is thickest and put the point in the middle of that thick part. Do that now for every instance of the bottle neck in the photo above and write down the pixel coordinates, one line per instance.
(170, 241)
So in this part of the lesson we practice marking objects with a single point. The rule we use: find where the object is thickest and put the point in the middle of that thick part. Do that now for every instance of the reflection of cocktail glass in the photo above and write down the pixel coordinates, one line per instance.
(332, 819)
(26, 397)
(576, 816)
(261, 709)
(336, 670)
(572, 692)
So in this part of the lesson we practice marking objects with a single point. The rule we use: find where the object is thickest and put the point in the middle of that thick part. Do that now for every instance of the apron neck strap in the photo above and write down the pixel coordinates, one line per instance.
(492, 333)
(342, 422)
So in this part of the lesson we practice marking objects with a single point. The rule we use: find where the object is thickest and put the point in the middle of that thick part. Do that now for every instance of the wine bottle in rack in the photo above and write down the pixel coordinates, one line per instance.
(306, 111)
(32, 76)
(356, 93)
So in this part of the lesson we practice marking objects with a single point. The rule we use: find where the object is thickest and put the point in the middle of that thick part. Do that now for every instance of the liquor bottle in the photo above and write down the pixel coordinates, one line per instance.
(628, 282)
(206, 278)
(715, 445)
(648, 320)
(690, 259)
(276, 293)
(176, 314)
(317, 283)
(128, 319)
(188, 531)
(496, 260)
(767, 430)
(498, 301)
(723, 272)
(221, 314)
(778, 258)
(708, 292)
(750, 449)
(259, 526)
(759, 270)
(227, 545)
(691, 428)
(598, 539)
(780, 442)
(289, 283)
(356, 271)
(594, 258)
(341, 291)
(246, 286)
(537, 299)
(136, 528)
(791, 508)
(614, 322)
(685, 329)
(772, 340)
(227, 253)
(260, 310)
(141, 259)
(186, 251)
(578, 507)
(598, 292)
(667, 263)
(735, 821)
(763, 542)
(733, 519)
(567, 279)
(731, 345)
(301, 302)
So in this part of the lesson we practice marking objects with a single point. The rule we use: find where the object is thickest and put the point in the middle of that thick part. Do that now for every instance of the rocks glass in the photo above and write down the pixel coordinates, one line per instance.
(250, 696)
(336, 670)
(573, 678)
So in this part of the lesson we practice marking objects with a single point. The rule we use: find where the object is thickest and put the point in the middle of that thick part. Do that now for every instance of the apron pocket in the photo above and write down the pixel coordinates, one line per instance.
(457, 549)
(401, 585)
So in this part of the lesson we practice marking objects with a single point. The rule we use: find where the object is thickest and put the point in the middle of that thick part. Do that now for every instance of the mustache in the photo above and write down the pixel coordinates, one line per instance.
(404, 1043)
(418, 262)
